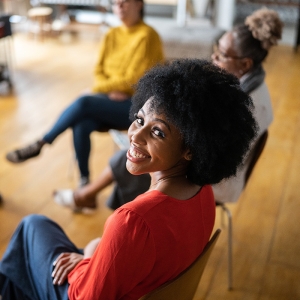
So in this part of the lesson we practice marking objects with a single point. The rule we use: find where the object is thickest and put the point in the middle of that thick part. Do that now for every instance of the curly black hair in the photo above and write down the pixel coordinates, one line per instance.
(212, 113)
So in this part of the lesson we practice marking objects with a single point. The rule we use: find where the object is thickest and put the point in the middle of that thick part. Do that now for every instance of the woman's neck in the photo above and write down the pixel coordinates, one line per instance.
(157, 183)
(131, 23)
(174, 185)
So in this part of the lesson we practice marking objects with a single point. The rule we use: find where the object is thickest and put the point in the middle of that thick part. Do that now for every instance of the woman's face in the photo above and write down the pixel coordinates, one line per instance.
(128, 11)
(155, 144)
(226, 57)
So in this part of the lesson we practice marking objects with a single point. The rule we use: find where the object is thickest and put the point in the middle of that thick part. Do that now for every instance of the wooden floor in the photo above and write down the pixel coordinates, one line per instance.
(50, 75)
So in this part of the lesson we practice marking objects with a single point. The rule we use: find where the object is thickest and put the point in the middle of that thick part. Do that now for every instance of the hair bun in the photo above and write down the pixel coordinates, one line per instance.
(265, 26)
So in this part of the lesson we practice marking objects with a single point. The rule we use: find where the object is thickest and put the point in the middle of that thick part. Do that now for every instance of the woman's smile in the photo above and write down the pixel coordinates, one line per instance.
(135, 154)
(155, 144)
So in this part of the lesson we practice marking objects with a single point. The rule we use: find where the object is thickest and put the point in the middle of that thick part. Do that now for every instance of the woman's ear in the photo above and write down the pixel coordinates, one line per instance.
(188, 155)
(246, 65)
(140, 5)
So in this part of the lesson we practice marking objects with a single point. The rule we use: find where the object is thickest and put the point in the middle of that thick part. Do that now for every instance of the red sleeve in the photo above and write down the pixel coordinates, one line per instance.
(109, 273)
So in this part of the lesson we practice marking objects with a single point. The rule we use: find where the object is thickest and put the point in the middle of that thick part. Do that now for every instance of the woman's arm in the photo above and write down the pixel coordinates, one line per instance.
(63, 265)
(90, 248)
(66, 262)
(123, 257)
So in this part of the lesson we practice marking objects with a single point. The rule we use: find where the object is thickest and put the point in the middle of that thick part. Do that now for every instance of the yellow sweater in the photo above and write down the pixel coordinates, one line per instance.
(125, 55)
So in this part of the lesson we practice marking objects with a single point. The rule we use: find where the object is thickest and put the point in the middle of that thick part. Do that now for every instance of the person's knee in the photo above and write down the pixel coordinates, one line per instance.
(83, 101)
(85, 128)
(33, 220)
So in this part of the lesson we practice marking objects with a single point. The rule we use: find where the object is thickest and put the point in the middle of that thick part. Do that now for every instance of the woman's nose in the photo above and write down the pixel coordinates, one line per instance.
(137, 136)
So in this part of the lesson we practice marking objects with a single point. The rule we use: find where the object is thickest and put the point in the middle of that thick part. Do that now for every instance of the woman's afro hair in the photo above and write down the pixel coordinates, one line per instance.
(212, 113)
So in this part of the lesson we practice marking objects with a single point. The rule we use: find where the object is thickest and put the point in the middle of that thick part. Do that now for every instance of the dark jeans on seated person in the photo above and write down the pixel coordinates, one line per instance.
(27, 264)
(87, 114)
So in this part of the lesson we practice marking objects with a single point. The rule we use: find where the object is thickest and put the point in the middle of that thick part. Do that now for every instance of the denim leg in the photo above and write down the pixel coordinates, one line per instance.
(87, 114)
(9, 291)
(82, 144)
(71, 115)
(28, 260)
(101, 114)
(97, 107)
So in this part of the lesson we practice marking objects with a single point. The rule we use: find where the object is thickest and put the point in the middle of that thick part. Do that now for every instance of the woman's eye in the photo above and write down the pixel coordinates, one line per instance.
(138, 119)
(158, 133)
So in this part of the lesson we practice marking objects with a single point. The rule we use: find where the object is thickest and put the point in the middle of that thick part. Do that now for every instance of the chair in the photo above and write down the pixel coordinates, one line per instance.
(120, 138)
(40, 21)
(254, 156)
(184, 286)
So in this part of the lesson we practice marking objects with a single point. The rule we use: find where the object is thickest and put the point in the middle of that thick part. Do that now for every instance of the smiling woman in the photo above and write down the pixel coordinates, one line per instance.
(156, 144)
(206, 122)
(239, 51)
(182, 130)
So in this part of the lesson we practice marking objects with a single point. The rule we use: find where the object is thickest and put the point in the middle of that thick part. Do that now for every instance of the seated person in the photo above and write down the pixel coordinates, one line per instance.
(176, 138)
(126, 53)
(241, 52)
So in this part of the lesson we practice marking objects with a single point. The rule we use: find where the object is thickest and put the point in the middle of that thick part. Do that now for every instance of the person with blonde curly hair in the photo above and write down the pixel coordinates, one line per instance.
(241, 52)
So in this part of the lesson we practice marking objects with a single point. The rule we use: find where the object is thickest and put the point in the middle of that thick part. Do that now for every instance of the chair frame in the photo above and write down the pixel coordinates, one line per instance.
(254, 156)
(192, 275)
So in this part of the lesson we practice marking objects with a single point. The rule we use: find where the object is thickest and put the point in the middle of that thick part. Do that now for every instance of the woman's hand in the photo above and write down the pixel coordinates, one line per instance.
(63, 265)
(118, 96)
(91, 247)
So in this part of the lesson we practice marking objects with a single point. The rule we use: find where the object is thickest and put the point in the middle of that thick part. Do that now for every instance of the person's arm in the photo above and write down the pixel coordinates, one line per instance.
(67, 261)
(90, 248)
(122, 259)
(99, 68)
(63, 265)
(144, 55)
(263, 112)
(118, 96)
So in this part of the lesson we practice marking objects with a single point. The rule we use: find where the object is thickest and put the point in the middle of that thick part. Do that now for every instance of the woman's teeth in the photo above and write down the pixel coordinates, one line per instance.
(135, 154)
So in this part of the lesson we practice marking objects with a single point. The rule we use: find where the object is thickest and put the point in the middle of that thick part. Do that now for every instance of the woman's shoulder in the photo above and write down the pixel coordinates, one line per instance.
(261, 90)
(148, 30)
(155, 199)
(146, 201)
(142, 30)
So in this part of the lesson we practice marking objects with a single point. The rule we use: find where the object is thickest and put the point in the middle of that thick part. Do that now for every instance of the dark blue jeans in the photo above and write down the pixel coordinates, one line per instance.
(87, 114)
(27, 264)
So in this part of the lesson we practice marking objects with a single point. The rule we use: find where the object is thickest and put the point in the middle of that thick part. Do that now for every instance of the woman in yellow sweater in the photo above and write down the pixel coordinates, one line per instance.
(126, 52)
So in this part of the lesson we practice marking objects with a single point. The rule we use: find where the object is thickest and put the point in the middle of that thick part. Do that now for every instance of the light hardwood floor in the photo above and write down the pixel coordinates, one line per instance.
(50, 75)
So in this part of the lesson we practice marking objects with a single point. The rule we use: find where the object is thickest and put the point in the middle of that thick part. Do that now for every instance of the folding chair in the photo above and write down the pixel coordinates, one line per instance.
(184, 286)
(254, 156)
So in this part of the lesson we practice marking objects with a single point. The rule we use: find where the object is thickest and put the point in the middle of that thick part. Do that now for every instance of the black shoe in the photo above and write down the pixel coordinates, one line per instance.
(25, 153)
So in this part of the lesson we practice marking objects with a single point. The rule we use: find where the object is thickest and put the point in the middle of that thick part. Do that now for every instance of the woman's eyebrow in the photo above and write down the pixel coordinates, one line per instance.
(164, 122)
(158, 120)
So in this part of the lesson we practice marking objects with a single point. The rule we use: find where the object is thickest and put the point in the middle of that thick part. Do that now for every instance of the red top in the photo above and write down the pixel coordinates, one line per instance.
(145, 243)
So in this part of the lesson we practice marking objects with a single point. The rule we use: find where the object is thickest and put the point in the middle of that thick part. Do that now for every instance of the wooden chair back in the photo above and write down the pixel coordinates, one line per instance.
(184, 286)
